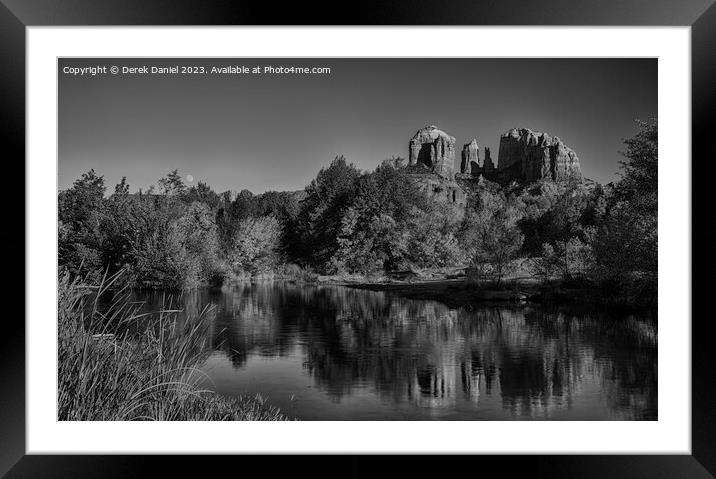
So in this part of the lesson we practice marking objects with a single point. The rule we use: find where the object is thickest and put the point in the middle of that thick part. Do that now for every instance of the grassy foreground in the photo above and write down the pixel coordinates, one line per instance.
(116, 363)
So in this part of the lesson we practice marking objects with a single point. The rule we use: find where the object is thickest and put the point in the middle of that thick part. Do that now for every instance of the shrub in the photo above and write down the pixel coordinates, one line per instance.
(626, 244)
(491, 236)
(391, 225)
(569, 259)
(295, 272)
(256, 245)
(545, 267)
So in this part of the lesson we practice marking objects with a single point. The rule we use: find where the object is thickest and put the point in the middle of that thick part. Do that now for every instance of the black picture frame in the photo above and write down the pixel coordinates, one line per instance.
(700, 15)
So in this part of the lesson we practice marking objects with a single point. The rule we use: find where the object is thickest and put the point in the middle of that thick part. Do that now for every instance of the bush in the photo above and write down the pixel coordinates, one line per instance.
(256, 246)
(391, 226)
(367, 245)
(431, 238)
(368, 223)
(79, 214)
(569, 259)
(545, 266)
(626, 244)
(558, 212)
(491, 236)
(295, 272)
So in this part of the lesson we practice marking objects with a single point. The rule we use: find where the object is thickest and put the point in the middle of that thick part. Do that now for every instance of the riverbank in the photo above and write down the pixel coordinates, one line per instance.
(453, 292)
(112, 369)
(459, 292)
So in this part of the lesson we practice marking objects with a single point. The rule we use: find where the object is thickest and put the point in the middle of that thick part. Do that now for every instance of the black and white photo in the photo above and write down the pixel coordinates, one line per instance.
(371, 239)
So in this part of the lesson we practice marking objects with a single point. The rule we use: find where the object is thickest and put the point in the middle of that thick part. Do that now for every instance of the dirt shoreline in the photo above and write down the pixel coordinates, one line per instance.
(461, 293)
(453, 292)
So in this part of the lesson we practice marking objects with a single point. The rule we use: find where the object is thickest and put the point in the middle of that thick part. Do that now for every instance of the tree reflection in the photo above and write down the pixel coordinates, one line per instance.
(535, 359)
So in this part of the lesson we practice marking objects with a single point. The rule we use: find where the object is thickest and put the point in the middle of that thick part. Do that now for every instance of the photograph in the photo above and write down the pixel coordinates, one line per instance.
(357, 239)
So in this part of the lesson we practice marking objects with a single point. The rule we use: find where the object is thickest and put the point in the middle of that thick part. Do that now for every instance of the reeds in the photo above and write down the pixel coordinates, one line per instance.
(117, 363)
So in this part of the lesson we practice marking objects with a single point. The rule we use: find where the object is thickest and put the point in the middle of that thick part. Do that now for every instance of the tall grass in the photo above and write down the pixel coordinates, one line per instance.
(116, 363)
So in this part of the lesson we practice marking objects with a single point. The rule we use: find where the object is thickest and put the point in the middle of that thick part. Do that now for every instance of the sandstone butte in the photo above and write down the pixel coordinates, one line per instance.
(524, 157)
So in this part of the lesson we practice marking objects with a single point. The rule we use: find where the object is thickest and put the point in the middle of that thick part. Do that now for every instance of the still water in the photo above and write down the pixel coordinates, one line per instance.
(336, 353)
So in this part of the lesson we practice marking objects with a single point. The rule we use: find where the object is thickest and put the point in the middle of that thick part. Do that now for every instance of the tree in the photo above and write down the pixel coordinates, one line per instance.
(121, 216)
(172, 184)
(569, 259)
(431, 237)
(198, 232)
(79, 214)
(319, 222)
(284, 205)
(391, 226)
(122, 188)
(174, 246)
(203, 193)
(244, 206)
(256, 245)
(626, 245)
(368, 244)
(491, 234)
(557, 213)
(79, 203)
(640, 167)
(373, 233)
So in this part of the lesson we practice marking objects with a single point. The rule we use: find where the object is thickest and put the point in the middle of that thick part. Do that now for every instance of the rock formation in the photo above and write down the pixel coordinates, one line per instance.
(470, 157)
(472, 165)
(435, 149)
(441, 190)
(489, 167)
(527, 156)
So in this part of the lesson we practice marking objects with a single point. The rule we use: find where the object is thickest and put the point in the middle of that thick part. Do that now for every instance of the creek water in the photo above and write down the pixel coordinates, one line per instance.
(338, 353)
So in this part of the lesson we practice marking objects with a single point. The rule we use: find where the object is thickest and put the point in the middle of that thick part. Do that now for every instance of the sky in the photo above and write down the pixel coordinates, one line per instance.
(275, 131)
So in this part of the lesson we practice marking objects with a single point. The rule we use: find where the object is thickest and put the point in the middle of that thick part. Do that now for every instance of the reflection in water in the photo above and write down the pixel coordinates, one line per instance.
(325, 352)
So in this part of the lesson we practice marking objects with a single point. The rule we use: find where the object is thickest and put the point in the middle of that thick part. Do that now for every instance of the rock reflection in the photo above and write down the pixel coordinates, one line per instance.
(536, 360)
